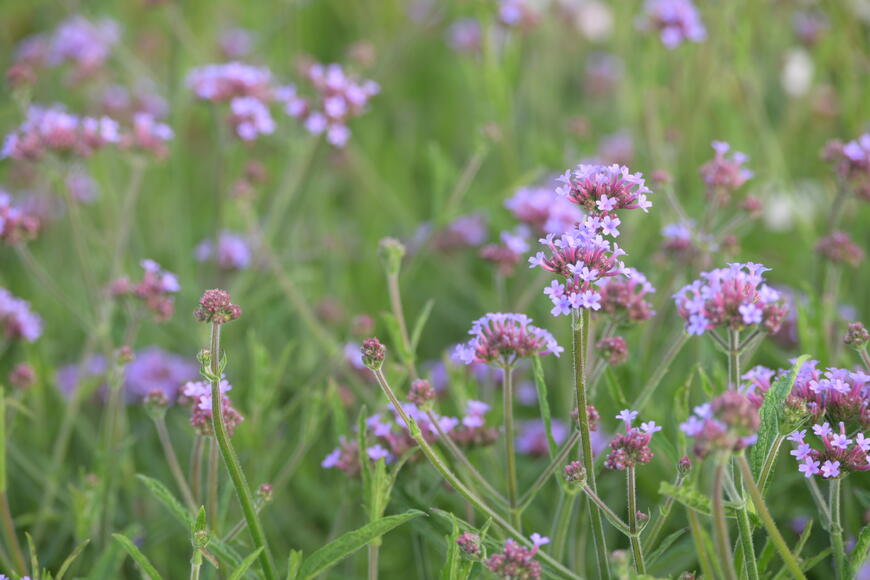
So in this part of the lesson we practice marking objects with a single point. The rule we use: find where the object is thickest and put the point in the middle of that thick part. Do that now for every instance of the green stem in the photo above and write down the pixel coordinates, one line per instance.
(374, 549)
(456, 483)
(172, 460)
(634, 538)
(212, 482)
(195, 564)
(399, 314)
(770, 461)
(9, 532)
(733, 359)
(508, 410)
(865, 358)
(231, 460)
(720, 525)
(777, 539)
(659, 373)
(558, 460)
(609, 513)
(580, 346)
(196, 469)
(565, 515)
(837, 548)
(820, 502)
(700, 545)
(745, 530)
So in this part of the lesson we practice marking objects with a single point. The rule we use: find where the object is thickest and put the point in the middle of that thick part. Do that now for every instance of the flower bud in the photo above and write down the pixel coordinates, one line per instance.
(264, 492)
(684, 465)
(125, 355)
(22, 376)
(200, 539)
(155, 403)
(215, 308)
(641, 516)
(421, 394)
(373, 353)
(575, 475)
(470, 545)
(391, 252)
(856, 336)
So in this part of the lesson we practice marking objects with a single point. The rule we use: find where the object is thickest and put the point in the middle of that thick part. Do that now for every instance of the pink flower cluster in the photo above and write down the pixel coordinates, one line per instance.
(602, 189)
(338, 98)
(834, 395)
(852, 163)
(16, 224)
(233, 251)
(503, 338)
(515, 561)
(508, 253)
(735, 297)
(17, 319)
(839, 248)
(583, 258)
(199, 395)
(625, 298)
(632, 447)
(155, 289)
(724, 174)
(148, 134)
(227, 81)
(841, 454)
(728, 423)
(541, 209)
(676, 21)
(52, 129)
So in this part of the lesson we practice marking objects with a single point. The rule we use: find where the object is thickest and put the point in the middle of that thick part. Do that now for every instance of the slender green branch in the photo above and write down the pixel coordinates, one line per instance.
(605, 509)
(231, 460)
(777, 539)
(656, 529)
(212, 482)
(720, 525)
(558, 460)
(399, 314)
(837, 548)
(565, 513)
(659, 373)
(745, 531)
(580, 344)
(700, 545)
(634, 538)
(172, 460)
(9, 532)
(196, 469)
(770, 461)
(511, 459)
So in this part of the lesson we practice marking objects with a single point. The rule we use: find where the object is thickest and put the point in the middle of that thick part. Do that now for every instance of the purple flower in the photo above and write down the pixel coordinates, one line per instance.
(724, 174)
(809, 467)
(532, 437)
(156, 369)
(503, 338)
(830, 469)
(226, 81)
(675, 20)
(16, 318)
(543, 210)
(233, 251)
(251, 118)
(728, 423)
(627, 416)
(632, 447)
(601, 189)
(376, 452)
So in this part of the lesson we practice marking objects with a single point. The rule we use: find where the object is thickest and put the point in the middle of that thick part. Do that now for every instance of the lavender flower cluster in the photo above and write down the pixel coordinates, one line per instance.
(840, 453)
(503, 338)
(17, 319)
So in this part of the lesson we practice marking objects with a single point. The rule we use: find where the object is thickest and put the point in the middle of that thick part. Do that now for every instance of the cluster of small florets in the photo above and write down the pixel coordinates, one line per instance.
(373, 353)
(603, 189)
(344, 457)
(421, 393)
(724, 174)
(623, 297)
(52, 129)
(515, 562)
(575, 474)
(466, 231)
(852, 163)
(839, 248)
(592, 416)
(226, 81)
(22, 376)
(583, 258)
(198, 393)
(155, 289)
(233, 251)
(215, 307)
(728, 423)
(339, 97)
(16, 224)
(250, 117)
(613, 349)
(120, 102)
(469, 544)
(676, 21)
(841, 454)
(509, 252)
(759, 380)
(856, 336)
(544, 211)
(471, 429)
(632, 447)
(735, 297)
(85, 44)
(148, 134)
(833, 395)
(503, 338)
(17, 319)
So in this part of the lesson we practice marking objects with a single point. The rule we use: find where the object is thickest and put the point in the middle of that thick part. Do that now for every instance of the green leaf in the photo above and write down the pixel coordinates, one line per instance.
(699, 502)
(246, 563)
(859, 554)
(420, 324)
(34, 560)
(294, 562)
(70, 559)
(543, 403)
(455, 567)
(615, 389)
(339, 421)
(140, 559)
(771, 414)
(664, 546)
(199, 524)
(350, 542)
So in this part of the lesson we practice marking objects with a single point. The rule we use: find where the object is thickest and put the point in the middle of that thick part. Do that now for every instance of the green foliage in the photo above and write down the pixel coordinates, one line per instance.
(147, 569)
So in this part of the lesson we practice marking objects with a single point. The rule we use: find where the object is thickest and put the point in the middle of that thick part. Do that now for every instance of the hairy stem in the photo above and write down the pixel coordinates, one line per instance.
(720, 525)
(580, 345)
(196, 469)
(240, 482)
(655, 531)
(508, 410)
(399, 314)
(777, 539)
(745, 531)
(634, 538)
(837, 548)
(212, 482)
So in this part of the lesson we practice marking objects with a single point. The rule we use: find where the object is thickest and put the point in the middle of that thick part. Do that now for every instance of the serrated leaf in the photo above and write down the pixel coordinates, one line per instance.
(246, 563)
(71, 559)
(699, 502)
(455, 567)
(771, 415)
(420, 324)
(34, 560)
(859, 553)
(294, 562)
(349, 542)
(144, 564)
(543, 403)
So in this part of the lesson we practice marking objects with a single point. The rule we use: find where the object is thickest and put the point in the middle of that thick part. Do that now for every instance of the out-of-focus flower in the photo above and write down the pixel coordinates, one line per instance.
(81, 185)
(624, 297)
(676, 21)
(85, 44)
(226, 81)
(839, 248)
(233, 251)
(856, 336)
(235, 42)
(518, 13)
(808, 26)
(53, 129)
(532, 436)
(616, 148)
(543, 210)
(17, 319)
(22, 376)
(465, 36)
(250, 118)
(603, 73)
(724, 174)
(155, 290)
(728, 423)
(200, 397)
(501, 339)
(509, 252)
(734, 297)
(17, 224)
(464, 232)
(852, 163)
(613, 349)
(156, 369)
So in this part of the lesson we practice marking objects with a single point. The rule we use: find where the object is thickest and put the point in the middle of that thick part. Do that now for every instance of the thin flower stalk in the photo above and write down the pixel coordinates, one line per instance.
(634, 536)
(172, 461)
(580, 345)
(650, 386)
(212, 484)
(196, 469)
(507, 403)
(720, 524)
(700, 544)
(838, 550)
(775, 536)
(558, 460)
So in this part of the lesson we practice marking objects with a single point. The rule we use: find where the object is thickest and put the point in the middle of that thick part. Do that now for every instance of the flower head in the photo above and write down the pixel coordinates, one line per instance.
(839, 248)
(233, 251)
(17, 319)
(503, 338)
(215, 308)
(839, 454)
(603, 189)
(632, 447)
(373, 353)
(515, 562)
(544, 211)
(625, 297)
(724, 173)
(676, 21)
(728, 423)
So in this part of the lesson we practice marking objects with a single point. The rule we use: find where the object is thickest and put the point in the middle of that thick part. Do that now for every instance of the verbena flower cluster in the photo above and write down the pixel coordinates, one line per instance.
(728, 423)
(232, 251)
(503, 338)
(543, 210)
(735, 298)
(155, 290)
(852, 164)
(840, 454)
(723, 174)
(632, 447)
(17, 319)
(676, 21)
(17, 224)
(603, 189)
(198, 393)
(515, 561)
(624, 298)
